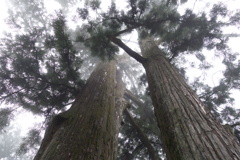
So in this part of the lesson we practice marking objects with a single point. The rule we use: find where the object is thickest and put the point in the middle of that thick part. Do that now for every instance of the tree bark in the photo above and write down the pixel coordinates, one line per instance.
(188, 130)
(88, 130)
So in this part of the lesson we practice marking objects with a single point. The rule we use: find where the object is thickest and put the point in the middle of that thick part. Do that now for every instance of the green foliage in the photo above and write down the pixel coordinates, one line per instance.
(26, 15)
(83, 13)
(5, 118)
(93, 4)
(191, 33)
(229, 113)
(178, 33)
(159, 20)
(100, 44)
(219, 10)
(136, 8)
(237, 133)
(30, 142)
(232, 72)
(40, 66)
(9, 142)
(235, 19)
(62, 42)
(143, 5)
(46, 76)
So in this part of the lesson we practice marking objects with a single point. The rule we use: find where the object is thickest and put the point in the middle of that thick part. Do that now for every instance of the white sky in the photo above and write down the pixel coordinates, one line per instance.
(3, 15)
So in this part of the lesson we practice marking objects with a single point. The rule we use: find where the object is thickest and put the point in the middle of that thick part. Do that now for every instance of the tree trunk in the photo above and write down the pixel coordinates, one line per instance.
(188, 130)
(87, 131)
(142, 136)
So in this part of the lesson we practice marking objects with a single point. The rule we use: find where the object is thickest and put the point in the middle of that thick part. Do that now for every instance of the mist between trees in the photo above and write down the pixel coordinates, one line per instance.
(103, 97)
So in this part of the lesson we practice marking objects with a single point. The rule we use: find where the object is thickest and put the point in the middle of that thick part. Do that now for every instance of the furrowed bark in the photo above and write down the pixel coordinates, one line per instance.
(88, 129)
(188, 130)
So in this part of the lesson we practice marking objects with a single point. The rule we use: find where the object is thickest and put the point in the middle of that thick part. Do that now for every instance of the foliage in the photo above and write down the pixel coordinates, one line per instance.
(9, 143)
(5, 118)
(30, 142)
(42, 64)
(44, 78)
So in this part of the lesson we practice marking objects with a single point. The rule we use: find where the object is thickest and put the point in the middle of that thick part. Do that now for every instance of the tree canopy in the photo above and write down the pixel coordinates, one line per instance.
(46, 59)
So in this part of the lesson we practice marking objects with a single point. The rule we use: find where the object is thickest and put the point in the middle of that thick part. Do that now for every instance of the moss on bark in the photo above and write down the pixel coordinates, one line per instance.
(188, 130)
(88, 129)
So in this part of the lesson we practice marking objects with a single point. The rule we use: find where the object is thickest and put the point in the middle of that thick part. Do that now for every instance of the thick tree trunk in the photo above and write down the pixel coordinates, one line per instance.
(188, 130)
(87, 131)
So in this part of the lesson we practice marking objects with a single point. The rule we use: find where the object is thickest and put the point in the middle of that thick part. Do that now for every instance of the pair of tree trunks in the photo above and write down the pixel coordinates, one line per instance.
(188, 130)
(80, 126)
(88, 130)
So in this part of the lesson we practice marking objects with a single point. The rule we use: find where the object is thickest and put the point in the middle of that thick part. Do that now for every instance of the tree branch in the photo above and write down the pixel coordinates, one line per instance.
(129, 51)
(235, 124)
(10, 94)
(124, 31)
(129, 95)
(144, 139)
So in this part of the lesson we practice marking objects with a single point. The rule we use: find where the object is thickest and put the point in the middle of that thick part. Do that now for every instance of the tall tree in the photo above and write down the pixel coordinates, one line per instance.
(188, 129)
(184, 122)
(89, 126)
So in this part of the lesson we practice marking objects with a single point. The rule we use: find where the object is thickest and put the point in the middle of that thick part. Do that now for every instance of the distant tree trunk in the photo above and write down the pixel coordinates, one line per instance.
(88, 130)
(120, 102)
(142, 136)
(188, 130)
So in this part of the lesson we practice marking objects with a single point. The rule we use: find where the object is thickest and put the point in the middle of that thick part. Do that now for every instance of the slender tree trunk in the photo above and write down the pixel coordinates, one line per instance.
(120, 102)
(188, 130)
(87, 131)
(142, 136)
